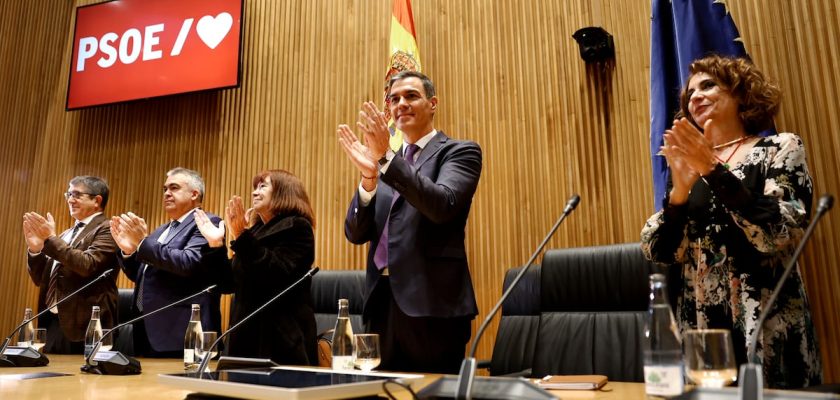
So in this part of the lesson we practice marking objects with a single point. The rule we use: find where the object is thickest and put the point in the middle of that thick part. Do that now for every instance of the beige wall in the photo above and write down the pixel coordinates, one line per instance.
(508, 75)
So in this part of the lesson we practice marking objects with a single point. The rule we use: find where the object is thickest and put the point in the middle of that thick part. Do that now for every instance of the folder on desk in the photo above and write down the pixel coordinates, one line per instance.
(572, 382)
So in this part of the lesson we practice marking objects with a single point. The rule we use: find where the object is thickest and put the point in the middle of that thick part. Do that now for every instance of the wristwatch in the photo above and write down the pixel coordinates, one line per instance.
(389, 155)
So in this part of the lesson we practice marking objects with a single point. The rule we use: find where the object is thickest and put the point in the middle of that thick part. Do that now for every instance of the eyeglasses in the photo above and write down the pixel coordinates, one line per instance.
(76, 195)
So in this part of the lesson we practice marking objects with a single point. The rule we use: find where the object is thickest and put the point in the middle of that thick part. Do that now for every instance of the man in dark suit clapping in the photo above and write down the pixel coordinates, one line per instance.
(61, 264)
(168, 264)
(412, 207)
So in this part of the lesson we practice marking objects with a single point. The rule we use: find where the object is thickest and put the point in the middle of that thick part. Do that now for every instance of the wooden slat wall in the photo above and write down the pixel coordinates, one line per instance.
(508, 75)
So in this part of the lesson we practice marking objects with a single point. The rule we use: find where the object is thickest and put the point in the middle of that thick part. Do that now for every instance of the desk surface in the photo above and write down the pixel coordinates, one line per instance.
(80, 386)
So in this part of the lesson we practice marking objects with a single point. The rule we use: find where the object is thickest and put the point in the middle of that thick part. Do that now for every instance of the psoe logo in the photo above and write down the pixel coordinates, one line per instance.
(144, 43)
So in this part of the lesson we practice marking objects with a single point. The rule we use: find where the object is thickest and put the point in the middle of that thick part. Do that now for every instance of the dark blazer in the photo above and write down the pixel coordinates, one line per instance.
(91, 253)
(268, 258)
(427, 262)
(180, 266)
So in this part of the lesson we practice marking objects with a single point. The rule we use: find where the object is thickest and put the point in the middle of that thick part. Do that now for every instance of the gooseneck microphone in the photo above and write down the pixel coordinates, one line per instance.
(29, 357)
(116, 363)
(206, 359)
(466, 376)
(750, 379)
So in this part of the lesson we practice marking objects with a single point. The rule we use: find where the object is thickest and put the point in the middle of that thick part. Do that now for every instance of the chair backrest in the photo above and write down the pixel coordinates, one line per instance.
(593, 304)
(329, 286)
(124, 338)
(513, 351)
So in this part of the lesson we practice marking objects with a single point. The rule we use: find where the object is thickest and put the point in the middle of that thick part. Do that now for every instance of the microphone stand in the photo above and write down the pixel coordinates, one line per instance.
(206, 359)
(751, 378)
(29, 357)
(116, 363)
(495, 385)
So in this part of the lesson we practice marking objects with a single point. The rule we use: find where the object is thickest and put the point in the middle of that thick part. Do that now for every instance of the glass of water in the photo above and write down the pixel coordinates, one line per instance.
(40, 339)
(202, 345)
(366, 351)
(709, 357)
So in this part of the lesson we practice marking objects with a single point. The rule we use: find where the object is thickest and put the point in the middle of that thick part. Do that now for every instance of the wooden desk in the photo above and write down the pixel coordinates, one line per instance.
(145, 386)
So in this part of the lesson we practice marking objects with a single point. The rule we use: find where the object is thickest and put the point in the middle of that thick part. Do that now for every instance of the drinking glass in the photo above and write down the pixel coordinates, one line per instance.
(25, 338)
(709, 357)
(202, 346)
(107, 341)
(366, 351)
(40, 338)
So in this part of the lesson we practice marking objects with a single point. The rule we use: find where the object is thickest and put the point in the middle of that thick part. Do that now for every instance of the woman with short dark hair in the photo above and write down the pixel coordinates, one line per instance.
(274, 246)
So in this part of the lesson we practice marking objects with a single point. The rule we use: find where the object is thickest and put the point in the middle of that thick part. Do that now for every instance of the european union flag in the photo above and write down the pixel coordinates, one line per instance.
(681, 31)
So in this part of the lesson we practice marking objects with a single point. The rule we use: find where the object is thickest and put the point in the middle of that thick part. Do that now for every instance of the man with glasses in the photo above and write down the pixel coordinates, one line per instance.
(59, 264)
(170, 263)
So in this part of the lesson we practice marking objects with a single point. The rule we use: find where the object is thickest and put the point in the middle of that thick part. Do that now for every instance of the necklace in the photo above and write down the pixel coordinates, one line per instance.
(731, 142)
(739, 141)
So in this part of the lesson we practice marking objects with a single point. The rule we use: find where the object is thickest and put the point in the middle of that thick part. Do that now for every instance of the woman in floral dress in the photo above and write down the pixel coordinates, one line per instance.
(737, 205)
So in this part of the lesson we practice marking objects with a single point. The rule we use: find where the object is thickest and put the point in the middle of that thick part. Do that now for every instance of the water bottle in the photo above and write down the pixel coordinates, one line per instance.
(94, 331)
(663, 360)
(342, 340)
(191, 338)
(27, 333)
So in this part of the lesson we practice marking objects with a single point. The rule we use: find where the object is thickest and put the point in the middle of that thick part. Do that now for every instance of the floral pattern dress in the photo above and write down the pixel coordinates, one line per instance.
(730, 242)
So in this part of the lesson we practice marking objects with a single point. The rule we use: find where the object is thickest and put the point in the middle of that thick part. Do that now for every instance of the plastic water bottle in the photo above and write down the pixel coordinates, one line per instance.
(27, 333)
(663, 360)
(342, 340)
(192, 337)
(94, 331)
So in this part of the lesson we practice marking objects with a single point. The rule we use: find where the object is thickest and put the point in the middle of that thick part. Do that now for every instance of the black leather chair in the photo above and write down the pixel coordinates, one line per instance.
(513, 351)
(593, 304)
(124, 339)
(329, 286)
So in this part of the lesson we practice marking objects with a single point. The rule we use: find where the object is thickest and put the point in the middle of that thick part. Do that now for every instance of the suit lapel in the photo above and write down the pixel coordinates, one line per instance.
(180, 228)
(86, 230)
(431, 148)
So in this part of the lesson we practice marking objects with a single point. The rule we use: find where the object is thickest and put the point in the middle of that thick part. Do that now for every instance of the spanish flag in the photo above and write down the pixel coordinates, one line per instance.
(404, 55)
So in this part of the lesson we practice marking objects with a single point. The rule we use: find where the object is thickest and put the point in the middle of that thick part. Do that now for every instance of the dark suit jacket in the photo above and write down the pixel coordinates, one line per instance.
(268, 259)
(91, 253)
(180, 266)
(427, 262)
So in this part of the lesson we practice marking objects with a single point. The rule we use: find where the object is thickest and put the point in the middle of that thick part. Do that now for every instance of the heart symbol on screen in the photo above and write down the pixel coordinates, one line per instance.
(213, 30)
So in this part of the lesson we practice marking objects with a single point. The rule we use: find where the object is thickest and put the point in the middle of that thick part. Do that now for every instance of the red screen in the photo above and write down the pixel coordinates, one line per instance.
(133, 49)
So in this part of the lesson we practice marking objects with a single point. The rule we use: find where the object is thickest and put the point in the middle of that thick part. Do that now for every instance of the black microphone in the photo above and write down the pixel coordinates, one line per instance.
(490, 387)
(206, 359)
(116, 363)
(750, 379)
(29, 357)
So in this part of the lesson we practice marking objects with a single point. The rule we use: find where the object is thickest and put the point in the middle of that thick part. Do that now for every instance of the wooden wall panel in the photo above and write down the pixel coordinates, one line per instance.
(509, 77)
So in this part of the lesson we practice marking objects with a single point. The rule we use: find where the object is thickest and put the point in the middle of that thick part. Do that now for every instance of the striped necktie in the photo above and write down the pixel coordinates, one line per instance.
(52, 287)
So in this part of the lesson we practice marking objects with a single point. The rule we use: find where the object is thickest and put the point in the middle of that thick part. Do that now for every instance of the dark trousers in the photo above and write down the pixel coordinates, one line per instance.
(415, 344)
(142, 347)
(57, 343)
